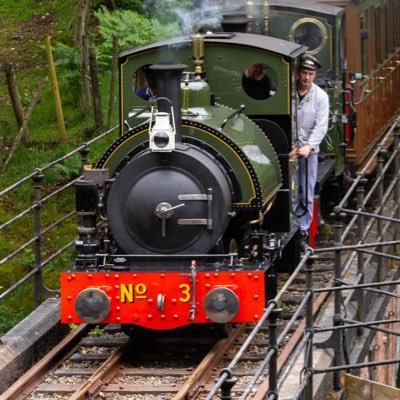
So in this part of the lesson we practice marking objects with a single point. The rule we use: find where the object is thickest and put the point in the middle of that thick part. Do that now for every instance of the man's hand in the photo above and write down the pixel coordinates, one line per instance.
(294, 152)
(304, 151)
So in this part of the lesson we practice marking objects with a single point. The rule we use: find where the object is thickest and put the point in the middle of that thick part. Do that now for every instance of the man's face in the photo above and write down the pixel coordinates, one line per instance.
(307, 76)
(257, 71)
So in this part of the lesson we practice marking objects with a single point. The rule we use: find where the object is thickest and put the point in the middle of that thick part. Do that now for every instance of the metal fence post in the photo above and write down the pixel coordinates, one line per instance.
(337, 318)
(396, 148)
(360, 255)
(227, 385)
(309, 328)
(379, 222)
(273, 345)
(37, 280)
(84, 155)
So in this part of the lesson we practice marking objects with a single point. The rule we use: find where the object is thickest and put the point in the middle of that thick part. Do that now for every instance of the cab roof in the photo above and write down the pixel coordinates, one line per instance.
(268, 43)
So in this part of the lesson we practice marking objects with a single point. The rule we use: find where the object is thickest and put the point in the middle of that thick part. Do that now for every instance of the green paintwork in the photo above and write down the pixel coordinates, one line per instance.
(242, 132)
(257, 168)
(251, 140)
(281, 23)
(224, 76)
(123, 147)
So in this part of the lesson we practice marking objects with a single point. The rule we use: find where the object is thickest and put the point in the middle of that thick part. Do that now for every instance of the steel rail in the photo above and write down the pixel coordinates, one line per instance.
(46, 363)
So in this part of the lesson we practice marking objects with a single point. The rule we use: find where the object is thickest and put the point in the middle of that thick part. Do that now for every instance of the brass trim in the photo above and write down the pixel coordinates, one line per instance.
(320, 26)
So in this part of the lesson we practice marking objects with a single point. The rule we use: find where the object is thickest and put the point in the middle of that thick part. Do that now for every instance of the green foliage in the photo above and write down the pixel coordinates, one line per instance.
(165, 31)
(73, 327)
(96, 331)
(136, 5)
(28, 259)
(15, 308)
(22, 28)
(65, 171)
(21, 12)
(131, 28)
(51, 273)
(326, 230)
(68, 63)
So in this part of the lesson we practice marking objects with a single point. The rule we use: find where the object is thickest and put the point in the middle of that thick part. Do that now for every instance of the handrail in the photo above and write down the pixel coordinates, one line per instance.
(355, 290)
(34, 213)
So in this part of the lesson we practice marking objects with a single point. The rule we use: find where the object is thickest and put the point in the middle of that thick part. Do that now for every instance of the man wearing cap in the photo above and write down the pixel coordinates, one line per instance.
(256, 83)
(312, 126)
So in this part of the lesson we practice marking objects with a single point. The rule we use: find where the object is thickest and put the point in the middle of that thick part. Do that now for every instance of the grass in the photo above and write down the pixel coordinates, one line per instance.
(23, 26)
(22, 230)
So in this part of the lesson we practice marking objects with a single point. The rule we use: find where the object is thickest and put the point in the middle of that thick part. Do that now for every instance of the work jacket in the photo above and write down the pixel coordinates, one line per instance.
(312, 117)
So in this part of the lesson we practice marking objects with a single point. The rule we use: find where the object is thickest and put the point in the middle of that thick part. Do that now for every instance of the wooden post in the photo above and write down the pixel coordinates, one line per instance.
(94, 74)
(28, 116)
(82, 44)
(114, 70)
(56, 93)
(15, 97)
(85, 75)
(1, 149)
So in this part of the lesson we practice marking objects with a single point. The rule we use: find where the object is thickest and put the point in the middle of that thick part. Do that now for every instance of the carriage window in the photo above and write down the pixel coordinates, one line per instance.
(257, 83)
(144, 83)
(309, 32)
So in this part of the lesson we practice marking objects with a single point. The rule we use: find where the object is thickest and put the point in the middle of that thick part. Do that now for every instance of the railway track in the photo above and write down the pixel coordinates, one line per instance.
(93, 363)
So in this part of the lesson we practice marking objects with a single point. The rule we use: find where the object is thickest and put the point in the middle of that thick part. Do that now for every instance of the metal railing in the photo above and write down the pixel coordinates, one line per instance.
(373, 222)
(375, 229)
(35, 210)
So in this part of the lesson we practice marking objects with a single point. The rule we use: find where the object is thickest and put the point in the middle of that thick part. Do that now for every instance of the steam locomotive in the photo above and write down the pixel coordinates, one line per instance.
(191, 212)
(176, 220)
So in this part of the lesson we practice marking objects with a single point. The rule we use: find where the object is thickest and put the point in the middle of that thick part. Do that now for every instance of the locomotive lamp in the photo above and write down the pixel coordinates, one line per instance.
(162, 133)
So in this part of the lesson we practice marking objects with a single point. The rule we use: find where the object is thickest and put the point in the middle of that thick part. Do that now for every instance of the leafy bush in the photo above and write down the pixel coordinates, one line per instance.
(68, 61)
(67, 170)
(129, 4)
(131, 28)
